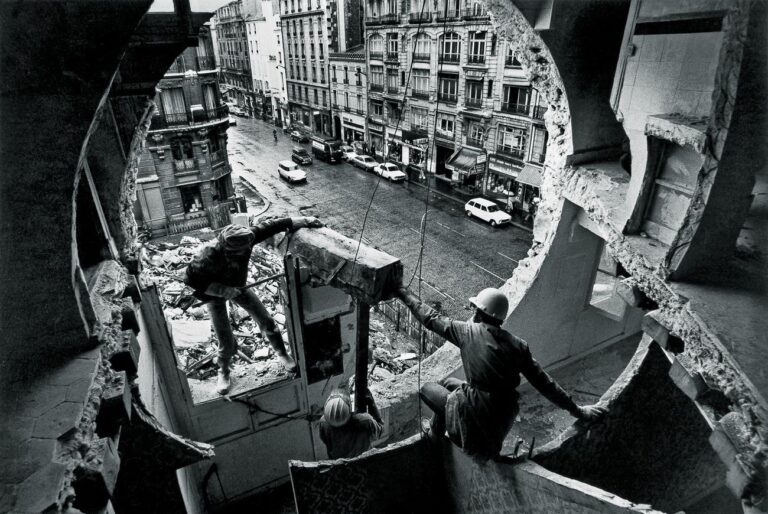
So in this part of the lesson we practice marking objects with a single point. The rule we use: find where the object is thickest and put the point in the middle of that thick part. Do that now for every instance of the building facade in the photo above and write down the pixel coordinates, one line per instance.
(348, 94)
(448, 100)
(184, 179)
(234, 56)
(262, 24)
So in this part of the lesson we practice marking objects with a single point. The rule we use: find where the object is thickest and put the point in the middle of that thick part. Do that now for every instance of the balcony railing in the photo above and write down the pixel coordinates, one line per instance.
(419, 93)
(393, 89)
(419, 130)
(474, 141)
(384, 19)
(446, 98)
(450, 14)
(475, 59)
(514, 108)
(162, 120)
(376, 118)
(510, 151)
(475, 13)
(185, 164)
(418, 57)
(512, 62)
(377, 87)
(393, 56)
(538, 111)
(416, 17)
(444, 134)
(473, 102)
(449, 58)
(376, 55)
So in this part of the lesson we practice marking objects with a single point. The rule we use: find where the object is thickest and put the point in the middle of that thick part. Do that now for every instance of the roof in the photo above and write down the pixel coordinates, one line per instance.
(464, 160)
(483, 201)
(530, 175)
(356, 53)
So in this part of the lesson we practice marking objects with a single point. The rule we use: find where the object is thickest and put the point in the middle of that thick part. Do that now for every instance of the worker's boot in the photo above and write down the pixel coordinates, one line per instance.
(223, 381)
(287, 361)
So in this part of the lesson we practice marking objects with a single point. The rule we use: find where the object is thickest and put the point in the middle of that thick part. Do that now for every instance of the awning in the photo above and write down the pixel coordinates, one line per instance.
(530, 175)
(465, 160)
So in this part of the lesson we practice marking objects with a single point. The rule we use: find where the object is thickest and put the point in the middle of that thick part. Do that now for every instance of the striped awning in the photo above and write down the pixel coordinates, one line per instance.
(465, 161)
(530, 175)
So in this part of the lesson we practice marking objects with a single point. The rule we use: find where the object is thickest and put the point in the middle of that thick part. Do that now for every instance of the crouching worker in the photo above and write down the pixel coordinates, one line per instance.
(219, 272)
(345, 434)
(479, 412)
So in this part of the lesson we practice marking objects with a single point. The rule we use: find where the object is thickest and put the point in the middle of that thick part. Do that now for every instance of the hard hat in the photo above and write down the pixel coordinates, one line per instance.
(337, 410)
(492, 302)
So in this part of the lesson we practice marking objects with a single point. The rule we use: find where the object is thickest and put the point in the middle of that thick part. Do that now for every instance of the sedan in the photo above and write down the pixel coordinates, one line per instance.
(365, 162)
(290, 172)
(390, 172)
(347, 152)
(298, 136)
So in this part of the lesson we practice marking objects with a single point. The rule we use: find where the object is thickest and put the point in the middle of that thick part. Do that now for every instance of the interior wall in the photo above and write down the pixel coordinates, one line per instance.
(560, 295)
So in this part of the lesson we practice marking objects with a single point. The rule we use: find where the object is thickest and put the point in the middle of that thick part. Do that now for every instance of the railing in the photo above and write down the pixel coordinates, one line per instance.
(206, 63)
(475, 13)
(449, 58)
(514, 108)
(377, 87)
(512, 62)
(450, 14)
(444, 134)
(418, 93)
(185, 164)
(446, 98)
(476, 59)
(384, 19)
(376, 55)
(416, 17)
(345, 81)
(422, 131)
(393, 56)
(538, 111)
(512, 152)
(473, 102)
(474, 142)
(162, 120)
(421, 57)
(218, 113)
(376, 118)
(393, 89)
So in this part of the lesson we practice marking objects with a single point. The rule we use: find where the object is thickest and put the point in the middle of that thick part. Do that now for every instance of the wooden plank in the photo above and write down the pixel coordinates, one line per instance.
(361, 357)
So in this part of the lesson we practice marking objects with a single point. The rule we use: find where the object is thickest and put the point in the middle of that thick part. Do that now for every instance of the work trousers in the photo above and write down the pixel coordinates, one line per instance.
(251, 303)
(435, 395)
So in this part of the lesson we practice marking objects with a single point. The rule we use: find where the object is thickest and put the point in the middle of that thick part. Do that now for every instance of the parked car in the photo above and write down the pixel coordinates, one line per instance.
(291, 172)
(390, 172)
(299, 137)
(237, 111)
(301, 156)
(347, 152)
(328, 150)
(365, 162)
(232, 120)
(487, 210)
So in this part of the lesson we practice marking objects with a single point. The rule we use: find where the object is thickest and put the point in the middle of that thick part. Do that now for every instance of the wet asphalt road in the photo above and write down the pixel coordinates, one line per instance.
(461, 255)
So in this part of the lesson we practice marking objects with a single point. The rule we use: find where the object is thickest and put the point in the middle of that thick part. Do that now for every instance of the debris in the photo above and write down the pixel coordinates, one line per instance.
(190, 332)
(406, 357)
(261, 353)
(244, 356)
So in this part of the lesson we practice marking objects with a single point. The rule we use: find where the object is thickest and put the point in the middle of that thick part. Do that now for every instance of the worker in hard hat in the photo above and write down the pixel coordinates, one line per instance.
(218, 273)
(479, 412)
(347, 434)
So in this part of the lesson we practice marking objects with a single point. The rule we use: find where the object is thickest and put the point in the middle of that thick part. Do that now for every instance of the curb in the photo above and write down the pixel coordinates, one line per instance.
(247, 183)
(462, 202)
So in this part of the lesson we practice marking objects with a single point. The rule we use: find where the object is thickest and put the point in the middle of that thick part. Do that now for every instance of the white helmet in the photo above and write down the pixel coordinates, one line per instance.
(337, 410)
(492, 302)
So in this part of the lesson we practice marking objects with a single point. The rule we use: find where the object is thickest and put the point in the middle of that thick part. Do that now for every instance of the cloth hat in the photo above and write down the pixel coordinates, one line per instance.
(236, 237)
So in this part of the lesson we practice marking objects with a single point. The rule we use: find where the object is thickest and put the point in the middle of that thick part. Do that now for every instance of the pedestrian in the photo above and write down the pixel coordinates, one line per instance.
(345, 434)
(218, 273)
(479, 412)
(274, 134)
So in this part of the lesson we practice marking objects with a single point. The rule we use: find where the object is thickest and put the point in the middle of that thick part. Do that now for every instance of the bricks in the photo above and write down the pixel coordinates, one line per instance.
(126, 357)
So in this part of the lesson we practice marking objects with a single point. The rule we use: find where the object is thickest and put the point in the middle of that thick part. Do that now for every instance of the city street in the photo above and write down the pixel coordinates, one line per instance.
(461, 255)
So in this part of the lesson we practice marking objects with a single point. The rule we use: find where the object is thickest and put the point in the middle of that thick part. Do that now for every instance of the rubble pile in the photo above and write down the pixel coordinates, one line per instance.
(194, 339)
(393, 352)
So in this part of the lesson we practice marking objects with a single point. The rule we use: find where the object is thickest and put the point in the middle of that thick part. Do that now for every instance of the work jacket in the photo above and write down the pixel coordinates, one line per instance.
(480, 413)
(351, 439)
(213, 264)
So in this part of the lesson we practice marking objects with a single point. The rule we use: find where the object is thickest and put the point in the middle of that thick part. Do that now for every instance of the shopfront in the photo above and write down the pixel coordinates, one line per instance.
(376, 139)
(501, 182)
(353, 128)
(467, 168)
(530, 190)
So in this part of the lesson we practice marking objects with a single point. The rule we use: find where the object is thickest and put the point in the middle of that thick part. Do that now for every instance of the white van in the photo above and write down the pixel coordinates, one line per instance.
(291, 172)
(486, 210)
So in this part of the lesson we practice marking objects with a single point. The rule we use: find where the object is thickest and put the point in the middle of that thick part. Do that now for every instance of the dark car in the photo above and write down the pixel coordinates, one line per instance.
(301, 156)
(299, 137)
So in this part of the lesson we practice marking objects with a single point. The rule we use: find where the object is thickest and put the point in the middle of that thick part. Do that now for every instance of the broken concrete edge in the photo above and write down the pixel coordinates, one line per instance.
(370, 454)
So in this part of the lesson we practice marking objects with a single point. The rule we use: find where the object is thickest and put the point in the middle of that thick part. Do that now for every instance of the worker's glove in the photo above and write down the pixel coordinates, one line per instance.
(306, 222)
(222, 291)
(589, 413)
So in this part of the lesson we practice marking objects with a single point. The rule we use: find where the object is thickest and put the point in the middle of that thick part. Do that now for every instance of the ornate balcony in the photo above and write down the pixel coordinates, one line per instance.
(423, 17)
(514, 108)
(473, 102)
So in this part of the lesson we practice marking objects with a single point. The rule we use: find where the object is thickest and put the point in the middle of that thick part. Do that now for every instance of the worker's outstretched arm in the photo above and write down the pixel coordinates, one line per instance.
(269, 228)
(373, 409)
(452, 331)
(552, 391)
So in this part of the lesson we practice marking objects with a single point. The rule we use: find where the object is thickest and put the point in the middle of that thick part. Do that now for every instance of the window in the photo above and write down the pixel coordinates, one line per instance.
(476, 48)
(421, 48)
(445, 123)
(316, 96)
(181, 148)
(376, 47)
(359, 102)
(511, 61)
(346, 99)
(476, 134)
(393, 113)
(474, 93)
(335, 99)
(214, 144)
(172, 100)
(539, 145)
(346, 75)
(511, 141)
(493, 44)
(392, 79)
(377, 109)
(325, 98)
(402, 78)
(419, 118)
(392, 45)
(420, 82)
(450, 47)
(448, 89)
(377, 76)
(190, 198)
(515, 99)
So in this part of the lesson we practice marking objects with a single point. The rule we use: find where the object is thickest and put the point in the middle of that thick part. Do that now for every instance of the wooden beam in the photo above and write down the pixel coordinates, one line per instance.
(361, 357)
